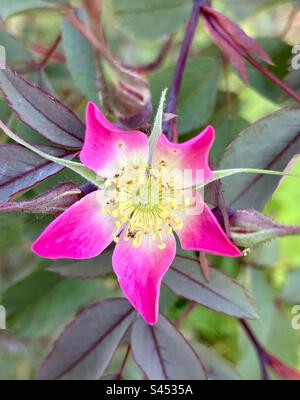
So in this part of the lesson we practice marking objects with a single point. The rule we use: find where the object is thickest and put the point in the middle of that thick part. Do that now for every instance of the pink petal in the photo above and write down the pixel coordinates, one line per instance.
(190, 155)
(202, 232)
(106, 148)
(140, 272)
(80, 232)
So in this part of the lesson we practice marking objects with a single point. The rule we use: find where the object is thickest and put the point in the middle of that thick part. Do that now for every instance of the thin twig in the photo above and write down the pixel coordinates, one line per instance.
(204, 266)
(220, 202)
(186, 313)
(159, 59)
(102, 49)
(290, 92)
(261, 353)
(94, 11)
(170, 127)
(124, 362)
(42, 51)
(37, 67)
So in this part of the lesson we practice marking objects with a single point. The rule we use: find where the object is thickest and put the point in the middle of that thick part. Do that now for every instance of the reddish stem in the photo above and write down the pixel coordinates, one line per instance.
(290, 92)
(42, 51)
(94, 10)
(260, 351)
(186, 313)
(124, 362)
(159, 59)
(43, 63)
(170, 127)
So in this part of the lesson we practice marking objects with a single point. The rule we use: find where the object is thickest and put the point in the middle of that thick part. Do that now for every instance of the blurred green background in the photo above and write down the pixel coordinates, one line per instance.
(40, 303)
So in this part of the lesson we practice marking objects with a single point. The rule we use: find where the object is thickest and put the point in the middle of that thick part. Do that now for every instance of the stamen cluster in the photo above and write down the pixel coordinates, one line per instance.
(145, 201)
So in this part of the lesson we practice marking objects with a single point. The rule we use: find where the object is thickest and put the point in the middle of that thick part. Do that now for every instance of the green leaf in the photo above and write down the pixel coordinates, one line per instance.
(266, 255)
(280, 53)
(15, 51)
(291, 292)
(243, 8)
(227, 123)
(43, 301)
(157, 127)
(10, 7)
(217, 368)
(14, 227)
(198, 92)
(81, 61)
(269, 144)
(151, 19)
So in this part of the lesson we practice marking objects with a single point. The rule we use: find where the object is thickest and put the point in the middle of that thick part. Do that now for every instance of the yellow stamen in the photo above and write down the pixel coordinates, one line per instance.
(145, 201)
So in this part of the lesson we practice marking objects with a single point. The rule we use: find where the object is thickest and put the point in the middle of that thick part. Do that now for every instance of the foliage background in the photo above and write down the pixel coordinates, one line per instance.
(40, 303)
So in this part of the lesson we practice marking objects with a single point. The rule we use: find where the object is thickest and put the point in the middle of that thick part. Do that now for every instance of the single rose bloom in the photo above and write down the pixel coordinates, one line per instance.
(141, 202)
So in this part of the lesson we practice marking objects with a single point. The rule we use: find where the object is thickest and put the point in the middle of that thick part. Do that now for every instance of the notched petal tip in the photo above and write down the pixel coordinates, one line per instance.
(191, 155)
(106, 146)
(95, 116)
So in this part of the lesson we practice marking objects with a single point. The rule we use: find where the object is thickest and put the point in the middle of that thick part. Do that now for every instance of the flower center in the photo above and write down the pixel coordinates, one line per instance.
(145, 201)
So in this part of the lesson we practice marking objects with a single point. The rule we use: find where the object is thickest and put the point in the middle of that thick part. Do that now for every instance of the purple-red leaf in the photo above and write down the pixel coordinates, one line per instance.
(21, 169)
(53, 202)
(221, 293)
(270, 143)
(227, 47)
(232, 40)
(86, 346)
(41, 112)
(250, 228)
(238, 35)
(84, 269)
(163, 353)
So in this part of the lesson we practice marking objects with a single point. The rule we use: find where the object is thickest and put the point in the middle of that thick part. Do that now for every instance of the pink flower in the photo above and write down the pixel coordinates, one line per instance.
(122, 209)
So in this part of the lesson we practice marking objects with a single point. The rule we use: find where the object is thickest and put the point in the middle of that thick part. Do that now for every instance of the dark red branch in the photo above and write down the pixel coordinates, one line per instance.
(290, 92)
(158, 61)
(260, 351)
(186, 313)
(170, 127)
(37, 67)
(120, 375)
